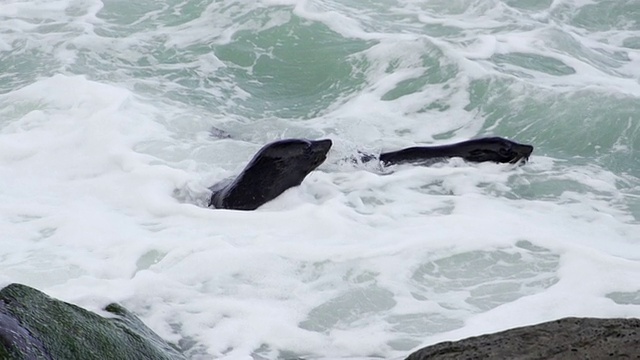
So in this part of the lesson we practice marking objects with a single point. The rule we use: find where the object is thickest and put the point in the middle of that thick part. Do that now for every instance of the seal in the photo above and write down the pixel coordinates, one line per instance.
(492, 149)
(284, 164)
(275, 168)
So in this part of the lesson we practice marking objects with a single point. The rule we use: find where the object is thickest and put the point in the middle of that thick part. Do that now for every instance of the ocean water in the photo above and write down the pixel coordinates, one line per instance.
(110, 120)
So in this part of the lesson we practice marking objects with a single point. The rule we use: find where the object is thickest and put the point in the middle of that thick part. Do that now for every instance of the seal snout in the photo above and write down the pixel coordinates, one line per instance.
(523, 152)
(321, 146)
(319, 150)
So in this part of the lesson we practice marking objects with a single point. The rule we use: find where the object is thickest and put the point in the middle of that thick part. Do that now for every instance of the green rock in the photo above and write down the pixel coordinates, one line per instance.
(36, 326)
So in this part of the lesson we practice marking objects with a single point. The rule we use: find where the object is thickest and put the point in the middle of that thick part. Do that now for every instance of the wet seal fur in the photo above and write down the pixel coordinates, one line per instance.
(493, 149)
(277, 167)
(284, 164)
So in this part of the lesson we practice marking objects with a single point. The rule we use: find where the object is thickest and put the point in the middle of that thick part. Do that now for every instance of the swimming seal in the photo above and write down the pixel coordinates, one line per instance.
(283, 164)
(275, 168)
(492, 149)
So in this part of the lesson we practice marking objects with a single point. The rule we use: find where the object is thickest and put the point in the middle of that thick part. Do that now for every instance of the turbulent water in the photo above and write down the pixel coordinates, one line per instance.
(107, 150)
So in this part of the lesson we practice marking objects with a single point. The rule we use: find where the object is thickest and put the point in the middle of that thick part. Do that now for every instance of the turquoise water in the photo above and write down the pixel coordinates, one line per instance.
(106, 111)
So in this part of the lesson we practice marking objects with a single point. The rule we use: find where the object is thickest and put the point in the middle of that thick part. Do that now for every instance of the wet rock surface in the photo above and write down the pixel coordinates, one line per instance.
(568, 338)
(36, 326)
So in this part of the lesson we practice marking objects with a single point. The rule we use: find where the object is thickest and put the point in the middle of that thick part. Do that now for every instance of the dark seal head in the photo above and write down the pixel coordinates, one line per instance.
(277, 167)
(493, 149)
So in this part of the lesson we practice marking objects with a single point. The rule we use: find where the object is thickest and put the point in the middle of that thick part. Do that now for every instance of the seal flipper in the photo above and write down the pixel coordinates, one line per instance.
(276, 167)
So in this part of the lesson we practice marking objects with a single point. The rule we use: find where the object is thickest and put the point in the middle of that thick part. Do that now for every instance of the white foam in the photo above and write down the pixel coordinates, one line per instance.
(354, 263)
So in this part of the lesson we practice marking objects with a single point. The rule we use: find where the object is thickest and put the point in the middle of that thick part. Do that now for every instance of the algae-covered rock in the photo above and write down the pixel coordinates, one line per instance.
(36, 326)
(569, 338)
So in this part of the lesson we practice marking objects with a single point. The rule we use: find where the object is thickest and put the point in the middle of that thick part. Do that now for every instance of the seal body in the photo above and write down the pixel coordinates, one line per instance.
(278, 166)
(493, 149)
(283, 164)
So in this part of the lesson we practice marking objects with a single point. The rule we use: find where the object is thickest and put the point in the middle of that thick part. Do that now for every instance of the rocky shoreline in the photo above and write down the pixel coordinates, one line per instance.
(36, 326)
(567, 338)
